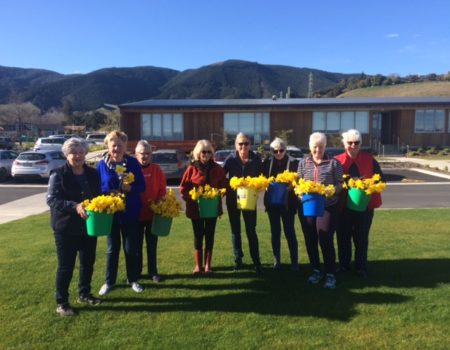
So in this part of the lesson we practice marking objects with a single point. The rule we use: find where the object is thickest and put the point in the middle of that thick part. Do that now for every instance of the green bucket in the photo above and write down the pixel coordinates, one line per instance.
(161, 225)
(98, 224)
(357, 199)
(208, 208)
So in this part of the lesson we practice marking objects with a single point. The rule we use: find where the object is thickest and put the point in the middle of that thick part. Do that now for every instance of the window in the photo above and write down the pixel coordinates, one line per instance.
(333, 122)
(254, 124)
(430, 120)
(162, 126)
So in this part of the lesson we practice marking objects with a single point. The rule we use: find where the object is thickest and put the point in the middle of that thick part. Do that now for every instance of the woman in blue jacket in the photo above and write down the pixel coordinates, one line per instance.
(125, 224)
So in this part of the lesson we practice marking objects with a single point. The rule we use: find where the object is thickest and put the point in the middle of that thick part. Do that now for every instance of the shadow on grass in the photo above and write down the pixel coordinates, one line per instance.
(286, 293)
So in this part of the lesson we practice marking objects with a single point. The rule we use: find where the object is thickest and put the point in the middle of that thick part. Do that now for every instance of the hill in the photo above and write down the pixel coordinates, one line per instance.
(438, 88)
(228, 79)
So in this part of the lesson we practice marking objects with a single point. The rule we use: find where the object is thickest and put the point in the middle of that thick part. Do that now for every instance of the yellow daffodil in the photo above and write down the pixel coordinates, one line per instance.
(168, 206)
(369, 186)
(128, 179)
(207, 192)
(307, 186)
(109, 204)
(259, 183)
(120, 169)
(287, 177)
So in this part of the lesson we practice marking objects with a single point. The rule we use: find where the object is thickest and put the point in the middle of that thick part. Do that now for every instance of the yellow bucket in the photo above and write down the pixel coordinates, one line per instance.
(246, 198)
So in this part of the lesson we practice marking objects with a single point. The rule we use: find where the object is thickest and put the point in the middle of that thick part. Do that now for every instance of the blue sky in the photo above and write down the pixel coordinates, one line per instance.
(79, 36)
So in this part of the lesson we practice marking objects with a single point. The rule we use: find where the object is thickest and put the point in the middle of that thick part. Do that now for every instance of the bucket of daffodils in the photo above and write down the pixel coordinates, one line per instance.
(280, 186)
(164, 211)
(101, 210)
(208, 199)
(313, 195)
(247, 190)
(360, 191)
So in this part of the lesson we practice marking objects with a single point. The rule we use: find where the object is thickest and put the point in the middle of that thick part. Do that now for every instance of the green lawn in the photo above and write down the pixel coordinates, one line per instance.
(404, 304)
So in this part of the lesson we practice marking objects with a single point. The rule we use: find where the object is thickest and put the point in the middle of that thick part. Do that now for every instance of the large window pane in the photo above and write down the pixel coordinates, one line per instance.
(428, 120)
(333, 121)
(439, 120)
(347, 120)
(362, 122)
(166, 126)
(256, 125)
(146, 126)
(318, 121)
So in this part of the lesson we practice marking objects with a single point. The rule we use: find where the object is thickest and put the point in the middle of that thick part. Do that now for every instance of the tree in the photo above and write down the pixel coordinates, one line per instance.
(285, 135)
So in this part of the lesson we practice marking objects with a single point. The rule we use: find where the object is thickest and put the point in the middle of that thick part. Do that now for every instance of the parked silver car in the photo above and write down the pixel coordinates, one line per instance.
(49, 143)
(221, 155)
(37, 165)
(173, 162)
(6, 160)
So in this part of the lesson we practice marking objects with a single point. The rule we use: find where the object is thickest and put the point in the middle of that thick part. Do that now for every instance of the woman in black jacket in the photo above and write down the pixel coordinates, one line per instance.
(68, 187)
(279, 162)
(241, 164)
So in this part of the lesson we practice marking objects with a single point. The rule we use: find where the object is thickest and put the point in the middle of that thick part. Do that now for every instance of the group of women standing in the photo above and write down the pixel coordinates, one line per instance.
(75, 182)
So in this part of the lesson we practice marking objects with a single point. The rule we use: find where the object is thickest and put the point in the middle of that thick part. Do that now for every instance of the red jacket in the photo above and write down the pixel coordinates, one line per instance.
(364, 163)
(198, 175)
(155, 189)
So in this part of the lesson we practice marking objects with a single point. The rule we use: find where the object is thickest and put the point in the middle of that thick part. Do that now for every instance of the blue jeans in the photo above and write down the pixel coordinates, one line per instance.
(151, 242)
(319, 230)
(128, 232)
(67, 248)
(276, 215)
(234, 216)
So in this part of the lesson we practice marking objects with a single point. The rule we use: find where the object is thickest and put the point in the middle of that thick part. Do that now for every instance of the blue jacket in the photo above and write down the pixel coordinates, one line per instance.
(110, 182)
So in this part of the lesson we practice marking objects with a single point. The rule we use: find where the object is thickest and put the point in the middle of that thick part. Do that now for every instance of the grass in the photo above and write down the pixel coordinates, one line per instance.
(440, 88)
(404, 304)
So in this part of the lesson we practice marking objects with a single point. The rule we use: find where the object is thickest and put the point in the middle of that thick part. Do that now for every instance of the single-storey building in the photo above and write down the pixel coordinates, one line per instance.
(394, 122)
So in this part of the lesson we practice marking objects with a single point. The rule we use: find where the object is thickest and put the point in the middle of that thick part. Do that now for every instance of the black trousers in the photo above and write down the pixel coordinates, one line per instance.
(204, 228)
(67, 248)
(151, 242)
(319, 230)
(354, 226)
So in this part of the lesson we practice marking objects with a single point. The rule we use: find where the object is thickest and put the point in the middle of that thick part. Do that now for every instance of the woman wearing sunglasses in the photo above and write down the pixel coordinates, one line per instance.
(355, 225)
(277, 164)
(202, 171)
(244, 162)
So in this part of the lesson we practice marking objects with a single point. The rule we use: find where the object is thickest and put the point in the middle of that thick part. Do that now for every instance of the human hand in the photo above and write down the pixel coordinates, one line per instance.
(80, 211)
(126, 188)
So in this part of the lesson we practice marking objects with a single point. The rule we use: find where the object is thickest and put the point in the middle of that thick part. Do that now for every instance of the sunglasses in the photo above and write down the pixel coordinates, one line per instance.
(206, 152)
(356, 143)
(276, 151)
(243, 143)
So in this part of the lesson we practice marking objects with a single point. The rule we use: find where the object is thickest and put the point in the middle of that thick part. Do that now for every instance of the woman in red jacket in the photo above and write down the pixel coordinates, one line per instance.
(354, 225)
(155, 189)
(202, 171)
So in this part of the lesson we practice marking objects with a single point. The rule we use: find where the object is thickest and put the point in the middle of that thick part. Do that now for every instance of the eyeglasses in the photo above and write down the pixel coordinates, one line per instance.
(243, 143)
(276, 151)
(356, 143)
(206, 152)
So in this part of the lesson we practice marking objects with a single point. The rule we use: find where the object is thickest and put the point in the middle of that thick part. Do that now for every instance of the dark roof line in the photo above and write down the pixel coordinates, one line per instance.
(286, 102)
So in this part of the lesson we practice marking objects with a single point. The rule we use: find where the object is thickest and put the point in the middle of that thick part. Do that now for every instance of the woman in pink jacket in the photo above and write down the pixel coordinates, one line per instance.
(155, 189)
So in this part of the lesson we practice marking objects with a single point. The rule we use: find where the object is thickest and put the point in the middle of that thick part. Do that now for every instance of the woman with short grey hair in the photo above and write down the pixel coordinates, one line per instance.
(68, 187)
(319, 230)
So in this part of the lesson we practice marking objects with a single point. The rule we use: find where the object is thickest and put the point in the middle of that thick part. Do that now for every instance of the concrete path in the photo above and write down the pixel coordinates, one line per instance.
(23, 207)
(441, 164)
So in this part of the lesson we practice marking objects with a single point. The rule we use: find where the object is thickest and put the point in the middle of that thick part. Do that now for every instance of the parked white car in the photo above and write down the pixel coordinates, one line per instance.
(36, 165)
(49, 143)
(6, 160)
(98, 139)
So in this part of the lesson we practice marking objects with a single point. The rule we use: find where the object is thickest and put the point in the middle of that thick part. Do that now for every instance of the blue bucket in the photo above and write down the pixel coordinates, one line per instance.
(278, 194)
(313, 204)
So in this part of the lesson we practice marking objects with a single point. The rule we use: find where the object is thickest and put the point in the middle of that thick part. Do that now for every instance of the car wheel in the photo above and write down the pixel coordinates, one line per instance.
(3, 174)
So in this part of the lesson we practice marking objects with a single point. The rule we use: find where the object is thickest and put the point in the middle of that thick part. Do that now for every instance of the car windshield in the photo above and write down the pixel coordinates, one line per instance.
(31, 156)
(164, 158)
(295, 154)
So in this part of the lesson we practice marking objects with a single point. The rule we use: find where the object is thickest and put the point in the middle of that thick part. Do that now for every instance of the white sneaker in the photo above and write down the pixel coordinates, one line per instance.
(137, 287)
(105, 289)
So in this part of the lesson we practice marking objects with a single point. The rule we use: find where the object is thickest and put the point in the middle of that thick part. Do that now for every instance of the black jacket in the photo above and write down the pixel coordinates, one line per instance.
(273, 167)
(234, 167)
(64, 193)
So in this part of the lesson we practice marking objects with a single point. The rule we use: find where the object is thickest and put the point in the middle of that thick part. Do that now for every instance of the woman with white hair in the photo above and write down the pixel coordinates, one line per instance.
(319, 230)
(279, 162)
(68, 187)
(354, 225)
(203, 171)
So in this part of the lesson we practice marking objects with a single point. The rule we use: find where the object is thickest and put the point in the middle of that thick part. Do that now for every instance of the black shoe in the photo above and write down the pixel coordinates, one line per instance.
(88, 299)
(341, 269)
(237, 265)
(362, 274)
(65, 310)
(258, 269)
(277, 266)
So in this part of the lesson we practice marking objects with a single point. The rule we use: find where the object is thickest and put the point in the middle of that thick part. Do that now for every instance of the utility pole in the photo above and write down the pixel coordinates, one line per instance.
(310, 85)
